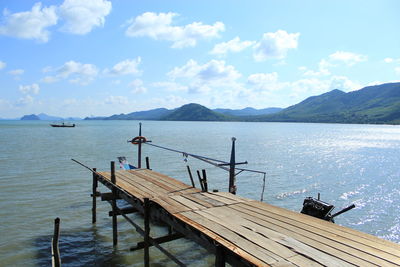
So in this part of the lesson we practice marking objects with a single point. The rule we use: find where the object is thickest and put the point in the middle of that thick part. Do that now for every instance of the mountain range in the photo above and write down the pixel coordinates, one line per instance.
(378, 104)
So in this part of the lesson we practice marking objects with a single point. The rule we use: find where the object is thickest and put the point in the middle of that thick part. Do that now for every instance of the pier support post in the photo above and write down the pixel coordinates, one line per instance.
(219, 256)
(140, 147)
(114, 205)
(56, 260)
(146, 209)
(94, 195)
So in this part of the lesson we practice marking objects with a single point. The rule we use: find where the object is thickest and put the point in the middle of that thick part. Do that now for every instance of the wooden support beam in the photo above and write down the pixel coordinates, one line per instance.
(114, 205)
(200, 180)
(158, 240)
(148, 163)
(190, 176)
(123, 211)
(109, 196)
(94, 195)
(205, 180)
(219, 256)
(55, 259)
(146, 207)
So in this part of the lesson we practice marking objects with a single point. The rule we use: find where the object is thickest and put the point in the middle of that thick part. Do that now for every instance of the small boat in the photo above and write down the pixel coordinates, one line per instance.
(62, 125)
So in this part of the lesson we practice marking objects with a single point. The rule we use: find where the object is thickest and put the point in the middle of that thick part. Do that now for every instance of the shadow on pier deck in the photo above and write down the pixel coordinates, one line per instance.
(239, 231)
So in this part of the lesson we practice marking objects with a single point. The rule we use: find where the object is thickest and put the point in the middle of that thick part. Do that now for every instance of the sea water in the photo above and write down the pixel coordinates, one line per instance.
(38, 181)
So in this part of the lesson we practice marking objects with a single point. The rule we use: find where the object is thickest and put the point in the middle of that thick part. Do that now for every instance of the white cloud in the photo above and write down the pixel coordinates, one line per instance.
(388, 60)
(82, 16)
(323, 69)
(2, 65)
(233, 46)
(347, 58)
(16, 72)
(138, 87)
(26, 100)
(29, 89)
(171, 86)
(116, 100)
(30, 24)
(204, 78)
(275, 45)
(128, 66)
(264, 81)
(159, 27)
(77, 72)
(343, 83)
(397, 70)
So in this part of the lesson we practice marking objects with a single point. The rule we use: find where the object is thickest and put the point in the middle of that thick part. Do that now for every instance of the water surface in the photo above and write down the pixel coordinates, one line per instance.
(38, 182)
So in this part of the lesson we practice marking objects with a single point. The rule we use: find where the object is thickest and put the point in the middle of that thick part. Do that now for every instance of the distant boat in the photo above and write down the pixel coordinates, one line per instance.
(62, 125)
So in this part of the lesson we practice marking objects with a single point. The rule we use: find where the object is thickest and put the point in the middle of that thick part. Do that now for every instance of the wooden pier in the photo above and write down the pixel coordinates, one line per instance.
(236, 230)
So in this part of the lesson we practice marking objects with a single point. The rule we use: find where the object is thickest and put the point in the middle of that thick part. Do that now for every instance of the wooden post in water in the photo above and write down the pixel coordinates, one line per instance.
(94, 195)
(56, 260)
(114, 204)
(146, 209)
(219, 256)
(140, 147)
(232, 187)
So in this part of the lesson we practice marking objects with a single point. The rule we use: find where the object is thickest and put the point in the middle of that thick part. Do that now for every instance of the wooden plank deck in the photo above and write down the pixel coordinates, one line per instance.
(259, 233)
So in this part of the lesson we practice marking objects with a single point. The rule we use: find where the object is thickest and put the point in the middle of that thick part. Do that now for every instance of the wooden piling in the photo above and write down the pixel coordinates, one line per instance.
(219, 256)
(114, 205)
(232, 187)
(94, 195)
(140, 147)
(190, 176)
(205, 184)
(56, 260)
(200, 181)
(146, 208)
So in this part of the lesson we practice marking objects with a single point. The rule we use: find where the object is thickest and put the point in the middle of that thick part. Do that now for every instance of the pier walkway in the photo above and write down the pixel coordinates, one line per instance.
(237, 230)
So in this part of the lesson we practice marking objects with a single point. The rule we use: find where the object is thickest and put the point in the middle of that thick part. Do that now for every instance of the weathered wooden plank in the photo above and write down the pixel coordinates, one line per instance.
(266, 234)
(334, 228)
(187, 202)
(203, 200)
(252, 251)
(223, 216)
(171, 205)
(143, 183)
(334, 232)
(312, 239)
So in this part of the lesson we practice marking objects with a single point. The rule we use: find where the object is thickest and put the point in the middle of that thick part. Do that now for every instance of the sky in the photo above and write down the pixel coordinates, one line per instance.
(98, 57)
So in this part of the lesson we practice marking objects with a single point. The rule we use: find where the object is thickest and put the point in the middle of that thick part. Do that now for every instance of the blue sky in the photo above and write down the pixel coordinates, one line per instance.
(98, 57)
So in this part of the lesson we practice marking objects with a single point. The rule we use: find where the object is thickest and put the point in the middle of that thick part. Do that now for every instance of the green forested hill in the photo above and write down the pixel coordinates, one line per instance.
(372, 104)
(196, 112)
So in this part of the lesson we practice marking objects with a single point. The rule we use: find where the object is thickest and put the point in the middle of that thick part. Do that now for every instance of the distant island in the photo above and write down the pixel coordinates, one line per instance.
(379, 104)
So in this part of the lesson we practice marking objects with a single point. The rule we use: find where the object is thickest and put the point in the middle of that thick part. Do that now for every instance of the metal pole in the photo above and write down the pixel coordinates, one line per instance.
(232, 187)
(114, 205)
(140, 147)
